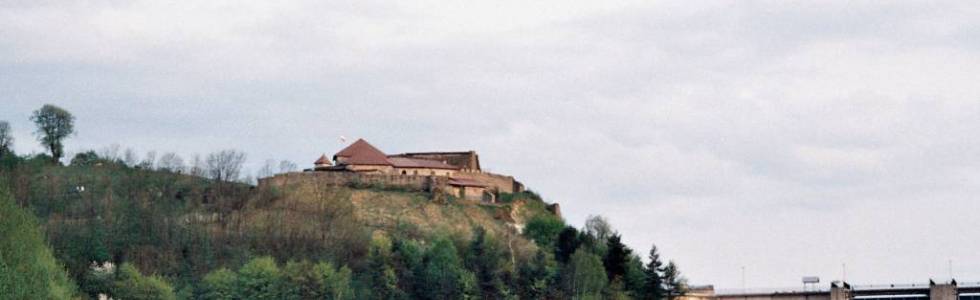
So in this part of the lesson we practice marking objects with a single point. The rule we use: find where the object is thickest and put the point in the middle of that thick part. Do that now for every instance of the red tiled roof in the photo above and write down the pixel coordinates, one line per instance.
(405, 162)
(362, 153)
(323, 160)
(465, 182)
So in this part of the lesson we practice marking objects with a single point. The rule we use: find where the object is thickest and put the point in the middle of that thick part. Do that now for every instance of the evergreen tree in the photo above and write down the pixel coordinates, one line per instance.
(635, 278)
(568, 242)
(674, 284)
(654, 285)
(617, 256)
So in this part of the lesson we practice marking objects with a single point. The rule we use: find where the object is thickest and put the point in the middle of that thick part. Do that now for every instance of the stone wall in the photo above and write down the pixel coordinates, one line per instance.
(496, 182)
(409, 182)
(423, 183)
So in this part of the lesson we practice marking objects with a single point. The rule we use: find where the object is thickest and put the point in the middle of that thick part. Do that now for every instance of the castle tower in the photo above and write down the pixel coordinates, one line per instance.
(322, 163)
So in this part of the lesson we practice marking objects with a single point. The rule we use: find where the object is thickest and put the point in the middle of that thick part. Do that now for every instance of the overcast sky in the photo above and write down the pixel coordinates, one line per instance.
(783, 137)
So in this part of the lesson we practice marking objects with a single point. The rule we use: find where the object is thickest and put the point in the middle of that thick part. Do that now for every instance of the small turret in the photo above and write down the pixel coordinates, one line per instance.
(322, 163)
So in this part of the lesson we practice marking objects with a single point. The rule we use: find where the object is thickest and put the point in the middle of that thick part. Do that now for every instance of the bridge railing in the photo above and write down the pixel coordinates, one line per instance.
(858, 287)
(782, 290)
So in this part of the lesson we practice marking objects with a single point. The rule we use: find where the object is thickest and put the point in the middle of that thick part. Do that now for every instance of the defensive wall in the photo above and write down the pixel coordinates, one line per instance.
(424, 183)
(496, 182)
(408, 182)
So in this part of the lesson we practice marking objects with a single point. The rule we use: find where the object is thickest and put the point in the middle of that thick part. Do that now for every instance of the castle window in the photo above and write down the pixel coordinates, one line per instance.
(433, 173)
(404, 172)
(416, 172)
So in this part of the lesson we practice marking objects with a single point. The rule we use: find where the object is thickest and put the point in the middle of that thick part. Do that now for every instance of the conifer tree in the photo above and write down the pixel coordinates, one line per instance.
(674, 284)
(568, 242)
(617, 256)
(654, 285)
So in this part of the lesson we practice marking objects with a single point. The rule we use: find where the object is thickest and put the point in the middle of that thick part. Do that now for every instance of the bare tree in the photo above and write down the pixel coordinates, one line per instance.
(267, 170)
(149, 161)
(110, 153)
(225, 165)
(171, 162)
(286, 166)
(130, 158)
(198, 167)
(598, 227)
(6, 138)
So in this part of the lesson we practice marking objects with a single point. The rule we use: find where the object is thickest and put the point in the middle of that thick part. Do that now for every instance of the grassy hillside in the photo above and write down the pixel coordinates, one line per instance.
(182, 226)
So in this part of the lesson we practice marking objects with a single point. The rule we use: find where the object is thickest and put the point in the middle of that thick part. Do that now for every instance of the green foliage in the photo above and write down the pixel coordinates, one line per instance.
(54, 124)
(525, 195)
(584, 277)
(381, 275)
(130, 284)
(635, 277)
(182, 227)
(568, 241)
(653, 288)
(674, 283)
(537, 276)
(6, 139)
(305, 280)
(443, 275)
(544, 229)
(617, 257)
(615, 290)
(220, 284)
(89, 158)
(336, 282)
(259, 279)
(28, 270)
(407, 261)
(486, 260)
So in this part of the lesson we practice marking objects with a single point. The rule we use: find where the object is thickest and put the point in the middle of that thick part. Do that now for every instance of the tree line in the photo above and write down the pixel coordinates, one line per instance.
(119, 225)
(54, 125)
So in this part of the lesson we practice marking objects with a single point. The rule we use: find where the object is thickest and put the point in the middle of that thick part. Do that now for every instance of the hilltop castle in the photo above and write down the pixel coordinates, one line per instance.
(456, 173)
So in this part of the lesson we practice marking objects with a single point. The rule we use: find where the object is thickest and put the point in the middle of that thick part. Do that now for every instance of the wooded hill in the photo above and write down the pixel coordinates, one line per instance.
(156, 229)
